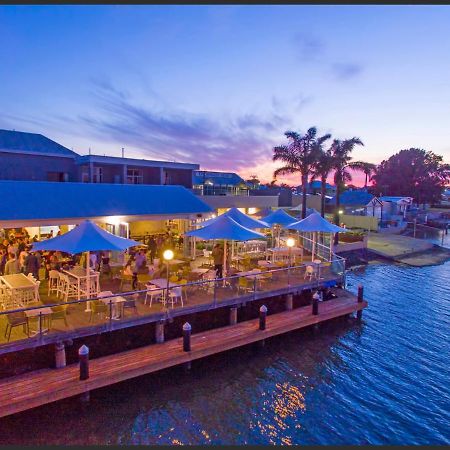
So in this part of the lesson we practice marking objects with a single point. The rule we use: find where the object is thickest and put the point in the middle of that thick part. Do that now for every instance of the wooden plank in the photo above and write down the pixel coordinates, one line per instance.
(38, 388)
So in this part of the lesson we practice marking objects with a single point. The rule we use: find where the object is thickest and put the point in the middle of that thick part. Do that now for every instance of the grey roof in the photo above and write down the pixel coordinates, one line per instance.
(85, 159)
(31, 143)
(217, 178)
(43, 200)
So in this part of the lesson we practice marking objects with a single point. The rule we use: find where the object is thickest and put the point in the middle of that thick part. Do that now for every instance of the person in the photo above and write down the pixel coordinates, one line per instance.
(50, 235)
(22, 256)
(35, 238)
(141, 262)
(328, 294)
(217, 254)
(12, 247)
(3, 259)
(12, 265)
(152, 248)
(32, 265)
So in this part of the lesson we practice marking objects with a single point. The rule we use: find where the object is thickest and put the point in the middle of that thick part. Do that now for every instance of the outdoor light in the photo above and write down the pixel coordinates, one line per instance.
(168, 255)
(341, 212)
(290, 242)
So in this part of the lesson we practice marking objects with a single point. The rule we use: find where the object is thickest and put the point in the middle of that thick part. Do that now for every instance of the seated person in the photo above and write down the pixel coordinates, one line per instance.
(328, 294)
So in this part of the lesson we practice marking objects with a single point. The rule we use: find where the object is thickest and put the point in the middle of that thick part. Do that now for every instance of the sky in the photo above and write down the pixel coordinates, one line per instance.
(220, 85)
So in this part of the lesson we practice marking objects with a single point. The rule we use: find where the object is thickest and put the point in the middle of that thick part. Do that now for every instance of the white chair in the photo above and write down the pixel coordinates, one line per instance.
(67, 287)
(176, 294)
(309, 272)
(6, 299)
(53, 280)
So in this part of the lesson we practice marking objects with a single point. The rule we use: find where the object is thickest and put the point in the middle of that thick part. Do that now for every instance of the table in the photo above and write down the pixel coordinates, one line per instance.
(318, 264)
(22, 288)
(116, 301)
(45, 312)
(162, 283)
(282, 253)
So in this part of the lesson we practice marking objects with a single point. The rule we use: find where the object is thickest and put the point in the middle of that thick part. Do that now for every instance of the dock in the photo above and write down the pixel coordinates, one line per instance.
(31, 390)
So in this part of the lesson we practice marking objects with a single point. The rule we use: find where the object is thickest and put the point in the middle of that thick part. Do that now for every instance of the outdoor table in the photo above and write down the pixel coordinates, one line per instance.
(162, 283)
(21, 287)
(282, 253)
(45, 312)
(117, 303)
(81, 275)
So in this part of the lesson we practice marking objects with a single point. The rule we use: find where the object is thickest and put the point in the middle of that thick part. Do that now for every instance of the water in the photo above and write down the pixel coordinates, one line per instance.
(385, 381)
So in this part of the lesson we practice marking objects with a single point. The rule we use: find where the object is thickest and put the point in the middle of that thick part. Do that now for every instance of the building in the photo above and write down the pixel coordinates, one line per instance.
(34, 157)
(314, 187)
(218, 183)
(357, 203)
(395, 208)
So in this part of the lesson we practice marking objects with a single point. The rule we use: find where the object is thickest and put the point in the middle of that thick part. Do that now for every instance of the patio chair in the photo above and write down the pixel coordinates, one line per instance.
(97, 307)
(155, 292)
(53, 279)
(130, 304)
(309, 272)
(16, 320)
(6, 299)
(245, 284)
(59, 313)
(143, 279)
(176, 294)
(67, 288)
(126, 280)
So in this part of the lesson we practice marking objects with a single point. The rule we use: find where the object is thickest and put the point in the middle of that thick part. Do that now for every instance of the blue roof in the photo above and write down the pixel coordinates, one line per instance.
(217, 178)
(39, 200)
(388, 198)
(353, 198)
(32, 143)
(316, 184)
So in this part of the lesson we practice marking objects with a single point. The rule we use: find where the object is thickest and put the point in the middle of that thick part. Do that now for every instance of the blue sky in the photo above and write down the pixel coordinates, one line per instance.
(219, 85)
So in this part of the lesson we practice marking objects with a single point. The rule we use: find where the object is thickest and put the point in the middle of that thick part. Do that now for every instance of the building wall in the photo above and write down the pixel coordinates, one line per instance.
(181, 177)
(364, 222)
(35, 167)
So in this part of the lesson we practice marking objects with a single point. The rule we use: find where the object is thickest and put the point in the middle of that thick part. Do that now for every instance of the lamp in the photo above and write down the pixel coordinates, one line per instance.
(168, 256)
(290, 242)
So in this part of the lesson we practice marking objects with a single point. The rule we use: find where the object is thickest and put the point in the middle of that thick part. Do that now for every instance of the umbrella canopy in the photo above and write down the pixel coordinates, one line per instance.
(280, 217)
(84, 238)
(315, 222)
(224, 227)
(241, 219)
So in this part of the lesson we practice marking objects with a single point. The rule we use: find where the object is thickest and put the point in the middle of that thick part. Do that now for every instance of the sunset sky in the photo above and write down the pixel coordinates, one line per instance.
(219, 85)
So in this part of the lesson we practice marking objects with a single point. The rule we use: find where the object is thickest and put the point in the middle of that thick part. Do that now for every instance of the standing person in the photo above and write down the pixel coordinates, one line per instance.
(12, 247)
(12, 265)
(32, 265)
(3, 259)
(217, 254)
(22, 257)
(152, 248)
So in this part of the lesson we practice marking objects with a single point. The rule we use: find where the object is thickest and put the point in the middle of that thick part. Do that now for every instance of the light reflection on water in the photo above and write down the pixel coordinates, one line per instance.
(382, 382)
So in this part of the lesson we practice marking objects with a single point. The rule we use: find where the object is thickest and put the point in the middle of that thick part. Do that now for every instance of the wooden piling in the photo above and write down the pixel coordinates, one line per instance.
(187, 337)
(289, 302)
(315, 304)
(60, 355)
(262, 317)
(360, 300)
(233, 316)
(159, 332)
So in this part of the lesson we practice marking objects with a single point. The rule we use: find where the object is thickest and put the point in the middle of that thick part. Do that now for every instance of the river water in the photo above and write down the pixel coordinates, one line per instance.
(384, 381)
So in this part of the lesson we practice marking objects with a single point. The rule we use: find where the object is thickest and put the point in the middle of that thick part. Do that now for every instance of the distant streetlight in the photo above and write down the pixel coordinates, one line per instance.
(168, 256)
(290, 242)
(341, 211)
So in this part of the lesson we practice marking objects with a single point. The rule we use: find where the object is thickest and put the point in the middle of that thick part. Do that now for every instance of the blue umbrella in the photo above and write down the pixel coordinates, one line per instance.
(86, 237)
(224, 227)
(279, 217)
(241, 219)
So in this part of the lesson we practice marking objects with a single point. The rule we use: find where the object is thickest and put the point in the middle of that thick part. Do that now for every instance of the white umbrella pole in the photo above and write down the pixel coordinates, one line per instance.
(88, 281)
(313, 245)
(331, 245)
(224, 271)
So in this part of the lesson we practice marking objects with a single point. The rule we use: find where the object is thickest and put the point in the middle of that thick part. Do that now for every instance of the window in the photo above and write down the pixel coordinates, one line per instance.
(135, 176)
(97, 175)
(57, 176)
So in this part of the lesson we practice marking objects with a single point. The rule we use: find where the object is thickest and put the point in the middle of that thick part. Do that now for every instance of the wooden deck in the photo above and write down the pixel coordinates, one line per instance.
(38, 388)
(198, 300)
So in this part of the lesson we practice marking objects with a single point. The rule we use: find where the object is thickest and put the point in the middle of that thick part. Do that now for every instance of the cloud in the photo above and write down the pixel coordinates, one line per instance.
(346, 71)
(308, 47)
(156, 132)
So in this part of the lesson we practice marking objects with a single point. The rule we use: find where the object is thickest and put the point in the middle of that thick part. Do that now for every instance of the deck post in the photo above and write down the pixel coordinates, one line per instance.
(83, 355)
(60, 355)
(289, 302)
(187, 337)
(233, 316)
(315, 304)
(159, 332)
(262, 317)
(360, 300)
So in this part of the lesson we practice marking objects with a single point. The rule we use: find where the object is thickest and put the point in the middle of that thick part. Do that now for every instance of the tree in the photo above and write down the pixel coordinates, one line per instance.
(323, 166)
(253, 181)
(413, 173)
(341, 150)
(368, 169)
(299, 156)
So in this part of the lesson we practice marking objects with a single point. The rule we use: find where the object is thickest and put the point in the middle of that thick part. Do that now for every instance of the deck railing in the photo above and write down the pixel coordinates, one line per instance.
(196, 296)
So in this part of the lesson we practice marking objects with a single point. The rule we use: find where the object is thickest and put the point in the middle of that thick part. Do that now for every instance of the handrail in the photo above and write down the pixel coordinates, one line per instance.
(215, 281)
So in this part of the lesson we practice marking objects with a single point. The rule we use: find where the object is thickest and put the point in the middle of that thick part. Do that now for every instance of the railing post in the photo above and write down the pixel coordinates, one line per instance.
(360, 300)
(159, 332)
(83, 355)
(187, 337)
(289, 302)
(289, 275)
(214, 292)
(233, 315)
(60, 355)
(110, 314)
(40, 324)
(254, 287)
(262, 317)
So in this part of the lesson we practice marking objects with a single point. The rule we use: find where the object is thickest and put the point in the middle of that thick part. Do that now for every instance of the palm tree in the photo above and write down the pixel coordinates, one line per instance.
(322, 168)
(368, 169)
(341, 150)
(299, 156)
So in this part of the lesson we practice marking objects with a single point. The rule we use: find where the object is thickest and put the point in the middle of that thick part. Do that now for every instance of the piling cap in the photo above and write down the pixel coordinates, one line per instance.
(83, 350)
(263, 309)
(187, 327)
